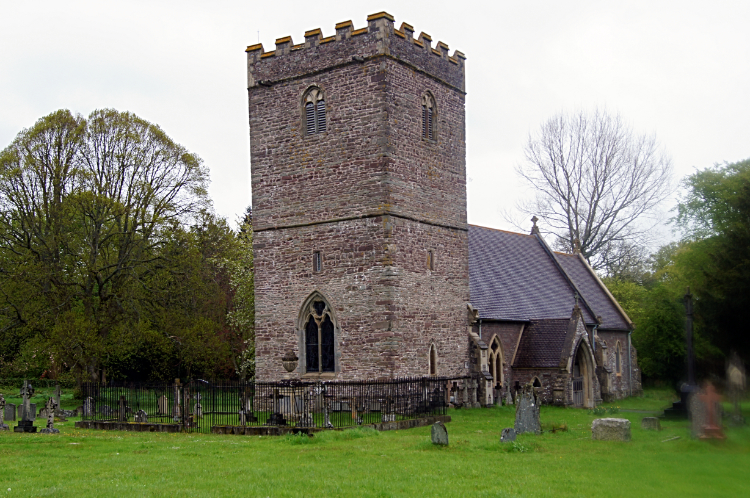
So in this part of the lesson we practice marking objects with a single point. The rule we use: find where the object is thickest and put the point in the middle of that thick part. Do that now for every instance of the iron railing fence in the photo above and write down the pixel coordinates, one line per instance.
(199, 405)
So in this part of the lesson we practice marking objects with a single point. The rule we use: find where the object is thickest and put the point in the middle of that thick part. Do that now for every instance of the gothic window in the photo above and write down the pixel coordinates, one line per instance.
(429, 116)
(430, 260)
(319, 338)
(315, 111)
(496, 363)
(433, 360)
(618, 358)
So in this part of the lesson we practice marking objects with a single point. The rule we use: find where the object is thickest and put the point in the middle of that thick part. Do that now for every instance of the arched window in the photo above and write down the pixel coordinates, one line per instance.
(429, 116)
(537, 382)
(618, 358)
(319, 337)
(496, 362)
(433, 360)
(315, 111)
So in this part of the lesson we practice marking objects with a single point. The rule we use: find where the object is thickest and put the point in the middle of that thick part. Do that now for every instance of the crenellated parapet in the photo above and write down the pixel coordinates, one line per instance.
(355, 46)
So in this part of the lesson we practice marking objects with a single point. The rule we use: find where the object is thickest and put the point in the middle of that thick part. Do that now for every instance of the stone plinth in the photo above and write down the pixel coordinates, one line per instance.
(610, 429)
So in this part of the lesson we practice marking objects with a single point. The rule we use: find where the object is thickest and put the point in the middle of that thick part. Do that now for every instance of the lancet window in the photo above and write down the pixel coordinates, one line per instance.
(429, 116)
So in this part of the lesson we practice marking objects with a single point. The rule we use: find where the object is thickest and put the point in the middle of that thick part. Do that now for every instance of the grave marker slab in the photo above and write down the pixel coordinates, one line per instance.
(610, 429)
(527, 411)
(439, 434)
(10, 412)
(508, 435)
(651, 424)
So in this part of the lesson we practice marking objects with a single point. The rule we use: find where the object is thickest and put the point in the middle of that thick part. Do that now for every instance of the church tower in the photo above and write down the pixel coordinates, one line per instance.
(359, 204)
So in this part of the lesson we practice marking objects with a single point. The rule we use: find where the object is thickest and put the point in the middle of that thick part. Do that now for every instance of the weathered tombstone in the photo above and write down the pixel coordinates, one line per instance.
(712, 427)
(610, 429)
(28, 412)
(3, 427)
(736, 388)
(176, 409)
(508, 397)
(465, 393)
(141, 417)
(697, 414)
(651, 424)
(50, 410)
(508, 435)
(10, 412)
(198, 408)
(122, 410)
(89, 408)
(163, 405)
(439, 434)
(527, 411)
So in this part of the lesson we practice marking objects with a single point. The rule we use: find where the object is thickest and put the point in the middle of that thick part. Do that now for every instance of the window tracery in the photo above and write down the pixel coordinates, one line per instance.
(319, 338)
(429, 116)
(314, 111)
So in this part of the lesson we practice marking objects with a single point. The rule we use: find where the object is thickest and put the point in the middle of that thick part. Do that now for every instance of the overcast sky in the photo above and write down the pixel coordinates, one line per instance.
(678, 69)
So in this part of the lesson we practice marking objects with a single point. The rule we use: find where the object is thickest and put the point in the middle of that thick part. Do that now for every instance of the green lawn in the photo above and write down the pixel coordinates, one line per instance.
(366, 463)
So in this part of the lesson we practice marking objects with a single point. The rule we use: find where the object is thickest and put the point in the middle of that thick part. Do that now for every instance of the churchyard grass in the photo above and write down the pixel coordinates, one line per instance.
(362, 462)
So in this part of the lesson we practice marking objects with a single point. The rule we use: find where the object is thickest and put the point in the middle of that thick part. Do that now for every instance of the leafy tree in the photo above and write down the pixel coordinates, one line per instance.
(85, 207)
(597, 183)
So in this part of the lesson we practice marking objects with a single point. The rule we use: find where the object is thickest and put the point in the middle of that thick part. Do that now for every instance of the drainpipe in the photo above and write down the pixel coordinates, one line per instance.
(630, 366)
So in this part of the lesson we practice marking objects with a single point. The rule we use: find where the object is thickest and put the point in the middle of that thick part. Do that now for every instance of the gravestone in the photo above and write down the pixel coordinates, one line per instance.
(57, 395)
(3, 427)
(122, 410)
(439, 434)
(527, 411)
(50, 410)
(28, 410)
(141, 417)
(736, 388)
(651, 424)
(508, 398)
(508, 435)
(610, 429)
(697, 415)
(711, 400)
(163, 405)
(89, 409)
(10, 412)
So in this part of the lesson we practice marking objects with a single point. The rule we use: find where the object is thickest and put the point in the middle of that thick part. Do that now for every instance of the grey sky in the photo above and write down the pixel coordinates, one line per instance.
(679, 69)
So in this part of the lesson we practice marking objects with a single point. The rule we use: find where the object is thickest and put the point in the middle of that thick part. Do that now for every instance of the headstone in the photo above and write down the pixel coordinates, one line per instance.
(697, 414)
(57, 395)
(651, 424)
(508, 435)
(163, 405)
(89, 408)
(50, 409)
(439, 434)
(508, 397)
(736, 388)
(3, 427)
(527, 411)
(122, 410)
(711, 399)
(610, 429)
(141, 417)
(28, 412)
(10, 412)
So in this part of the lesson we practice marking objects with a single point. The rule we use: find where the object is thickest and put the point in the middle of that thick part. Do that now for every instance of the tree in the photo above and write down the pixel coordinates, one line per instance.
(85, 207)
(597, 183)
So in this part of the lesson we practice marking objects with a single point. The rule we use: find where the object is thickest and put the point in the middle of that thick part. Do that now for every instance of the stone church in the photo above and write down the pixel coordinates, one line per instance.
(365, 266)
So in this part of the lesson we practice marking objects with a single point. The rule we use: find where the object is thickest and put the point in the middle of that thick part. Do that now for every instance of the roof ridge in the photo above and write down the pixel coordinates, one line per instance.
(500, 230)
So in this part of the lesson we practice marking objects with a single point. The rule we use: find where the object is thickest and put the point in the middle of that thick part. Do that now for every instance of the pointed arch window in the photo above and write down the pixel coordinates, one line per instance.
(319, 338)
(429, 116)
(618, 358)
(496, 363)
(433, 360)
(314, 116)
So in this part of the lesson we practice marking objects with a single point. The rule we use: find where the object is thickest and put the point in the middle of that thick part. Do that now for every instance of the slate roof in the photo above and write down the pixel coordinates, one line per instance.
(512, 277)
(542, 344)
(592, 292)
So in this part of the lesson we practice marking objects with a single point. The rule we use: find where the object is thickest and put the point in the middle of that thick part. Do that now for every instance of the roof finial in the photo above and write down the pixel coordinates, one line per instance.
(534, 229)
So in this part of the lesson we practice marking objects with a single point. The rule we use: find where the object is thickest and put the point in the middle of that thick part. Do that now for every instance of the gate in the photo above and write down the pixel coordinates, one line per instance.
(578, 391)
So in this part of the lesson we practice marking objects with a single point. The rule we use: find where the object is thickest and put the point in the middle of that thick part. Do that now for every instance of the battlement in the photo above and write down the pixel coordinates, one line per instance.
(353, 46)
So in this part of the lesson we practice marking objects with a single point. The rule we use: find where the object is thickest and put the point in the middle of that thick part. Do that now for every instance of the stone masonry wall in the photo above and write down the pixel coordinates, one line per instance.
(369, 193)
(619, 386)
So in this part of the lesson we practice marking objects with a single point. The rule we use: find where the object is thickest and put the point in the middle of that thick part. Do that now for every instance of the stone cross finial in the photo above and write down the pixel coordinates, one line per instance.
(534, 228)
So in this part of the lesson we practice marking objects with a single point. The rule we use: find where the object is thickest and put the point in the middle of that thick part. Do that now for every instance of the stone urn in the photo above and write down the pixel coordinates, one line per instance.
(290, 361)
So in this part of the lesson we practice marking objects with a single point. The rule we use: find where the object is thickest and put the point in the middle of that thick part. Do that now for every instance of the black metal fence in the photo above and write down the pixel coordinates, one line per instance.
(197, 406)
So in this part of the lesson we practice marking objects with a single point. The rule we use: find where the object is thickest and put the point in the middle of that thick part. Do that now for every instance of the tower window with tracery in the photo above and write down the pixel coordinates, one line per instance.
(315, 111)
(428, 117)
(319, 339)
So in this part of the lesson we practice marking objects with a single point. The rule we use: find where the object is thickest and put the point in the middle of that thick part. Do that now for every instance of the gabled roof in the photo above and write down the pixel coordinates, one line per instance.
(591, 289)
(515, 277)
(542, 343)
